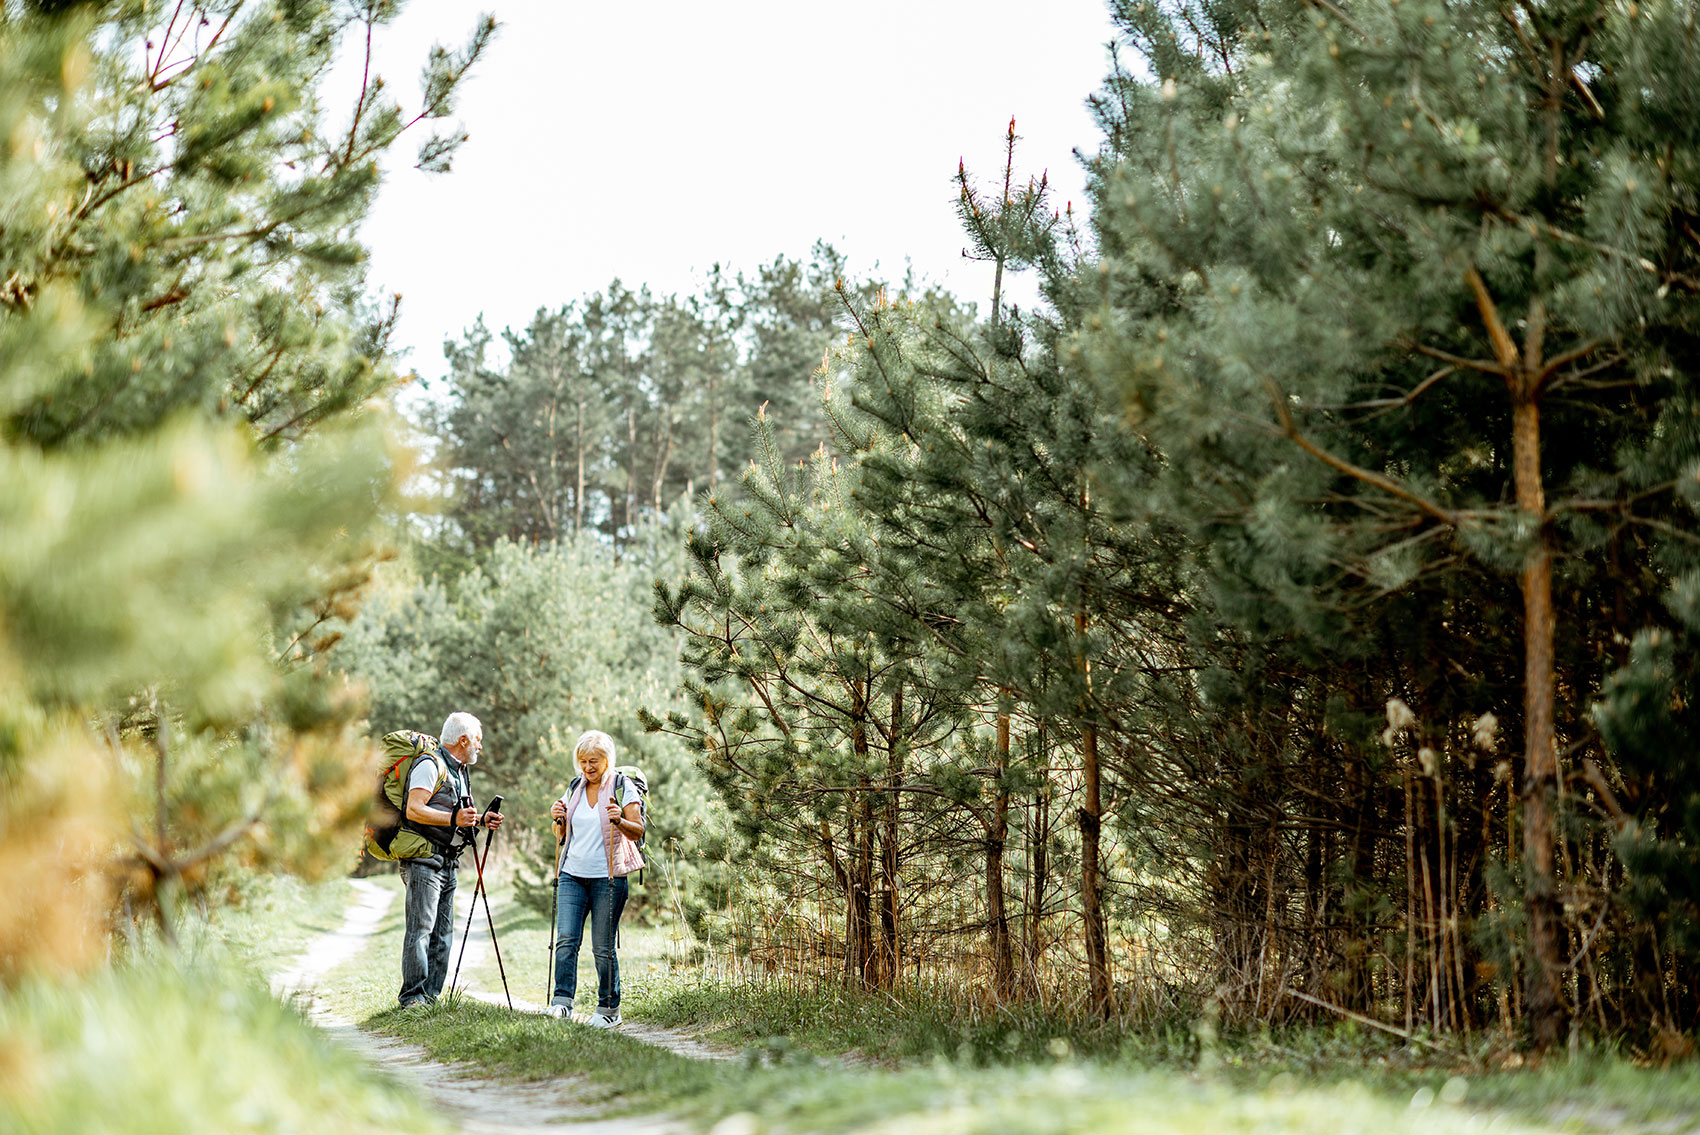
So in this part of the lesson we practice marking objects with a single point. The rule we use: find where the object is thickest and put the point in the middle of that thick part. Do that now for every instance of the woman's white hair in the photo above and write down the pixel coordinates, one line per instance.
(460, 725)
(594, 741)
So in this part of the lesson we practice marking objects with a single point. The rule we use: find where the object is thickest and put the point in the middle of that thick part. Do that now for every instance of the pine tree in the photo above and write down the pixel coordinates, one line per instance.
(809, 713)
(977, 456)
(1405, 279)
(194, 467)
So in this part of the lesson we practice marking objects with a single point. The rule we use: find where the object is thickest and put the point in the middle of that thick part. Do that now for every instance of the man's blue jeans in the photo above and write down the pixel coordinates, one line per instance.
(601, 901)
(430, 925)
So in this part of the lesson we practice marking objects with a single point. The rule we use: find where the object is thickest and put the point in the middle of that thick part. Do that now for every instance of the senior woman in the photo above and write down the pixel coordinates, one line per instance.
(597, 819)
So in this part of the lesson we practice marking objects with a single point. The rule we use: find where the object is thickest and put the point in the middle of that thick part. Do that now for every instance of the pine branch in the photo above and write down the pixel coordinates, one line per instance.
(1386, 484)
(1504, 348)
(1460, 360)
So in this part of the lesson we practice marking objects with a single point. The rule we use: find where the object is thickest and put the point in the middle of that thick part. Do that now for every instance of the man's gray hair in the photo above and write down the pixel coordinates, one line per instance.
(594, 741)
(460, 725)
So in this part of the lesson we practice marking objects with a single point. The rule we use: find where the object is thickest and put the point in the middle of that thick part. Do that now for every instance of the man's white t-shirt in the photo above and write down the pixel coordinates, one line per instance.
(424, 776)
(587, 855)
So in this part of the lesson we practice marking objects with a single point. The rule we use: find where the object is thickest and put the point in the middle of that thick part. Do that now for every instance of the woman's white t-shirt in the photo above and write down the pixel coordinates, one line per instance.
(587, 855)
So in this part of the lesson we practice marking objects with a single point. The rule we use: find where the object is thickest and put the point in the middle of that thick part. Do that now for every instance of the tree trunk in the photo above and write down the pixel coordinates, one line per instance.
(997, 917)
(713, 431)
(1091, 822)
(664, 456)
(872, 974)
(867, 964)
(1365, 787)
(578, 491)
(1038, 840)
(632, 472)
(1542, 991)
(889, 833)
(1091, 882)
(1523, 377)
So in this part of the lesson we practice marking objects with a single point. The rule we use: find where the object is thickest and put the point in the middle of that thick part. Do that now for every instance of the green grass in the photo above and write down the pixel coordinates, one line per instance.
(1591, 1092)
(368, 982)
(917, 1025)
(191, 1039)
(621, 1072)
(948, 1069)
(646, 954)
(801, 1094)
(270, 919)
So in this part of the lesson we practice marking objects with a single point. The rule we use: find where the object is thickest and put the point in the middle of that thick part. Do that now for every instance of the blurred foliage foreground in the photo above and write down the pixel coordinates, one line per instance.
(196, 466)
(190, 1038)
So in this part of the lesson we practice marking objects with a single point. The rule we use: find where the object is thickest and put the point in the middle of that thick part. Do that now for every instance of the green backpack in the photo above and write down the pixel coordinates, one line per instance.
(385, 837)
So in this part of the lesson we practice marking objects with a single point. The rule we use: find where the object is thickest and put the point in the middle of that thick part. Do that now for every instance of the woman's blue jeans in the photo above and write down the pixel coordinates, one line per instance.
(601, 901)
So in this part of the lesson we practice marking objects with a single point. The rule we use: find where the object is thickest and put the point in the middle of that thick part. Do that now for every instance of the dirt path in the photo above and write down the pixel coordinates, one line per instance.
(478, 1105)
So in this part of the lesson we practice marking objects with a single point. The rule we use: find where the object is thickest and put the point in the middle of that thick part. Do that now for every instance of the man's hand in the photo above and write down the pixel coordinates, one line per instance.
(492, 820)
(466, 817)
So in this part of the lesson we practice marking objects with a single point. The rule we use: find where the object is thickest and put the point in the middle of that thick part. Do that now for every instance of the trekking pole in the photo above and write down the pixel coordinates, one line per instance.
(466, 931)
(490, 919)
(478, 862)
(554, 904)
(471, 909)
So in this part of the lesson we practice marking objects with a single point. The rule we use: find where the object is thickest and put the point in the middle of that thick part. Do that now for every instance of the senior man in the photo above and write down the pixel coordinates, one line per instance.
(437, 783)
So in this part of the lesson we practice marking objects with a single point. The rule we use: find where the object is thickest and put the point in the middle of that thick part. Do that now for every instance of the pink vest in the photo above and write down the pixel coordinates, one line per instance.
(623, 855)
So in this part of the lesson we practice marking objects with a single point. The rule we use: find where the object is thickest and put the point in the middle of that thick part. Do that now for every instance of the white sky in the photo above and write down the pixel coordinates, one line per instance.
(651, 140)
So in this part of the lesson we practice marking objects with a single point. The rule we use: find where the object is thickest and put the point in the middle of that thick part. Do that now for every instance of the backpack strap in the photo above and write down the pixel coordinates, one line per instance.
(575, 789)
(643, 813)
(432, 833)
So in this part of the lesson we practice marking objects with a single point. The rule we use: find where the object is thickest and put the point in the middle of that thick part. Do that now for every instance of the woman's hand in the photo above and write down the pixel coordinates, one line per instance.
(613, 810)
(558, 810)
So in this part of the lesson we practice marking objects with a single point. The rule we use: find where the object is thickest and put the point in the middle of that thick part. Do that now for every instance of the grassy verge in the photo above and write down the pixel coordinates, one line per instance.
(798, 1093)
(190, 1039)
(952, 1070)
(271, 919)
(1593, 1091)
(367, 983)
(646, 954)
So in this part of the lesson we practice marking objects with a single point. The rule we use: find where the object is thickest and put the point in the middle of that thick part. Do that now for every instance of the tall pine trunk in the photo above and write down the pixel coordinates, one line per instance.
(1540, 759)
(1038, 844)
(869, 960)
(1091, 882)
(578, 489)
(1091, 822)
(865, 965)
(1543, 997)
(997, 834)
(632, 470)
(713, 477)
(664, 457)
(890, 830)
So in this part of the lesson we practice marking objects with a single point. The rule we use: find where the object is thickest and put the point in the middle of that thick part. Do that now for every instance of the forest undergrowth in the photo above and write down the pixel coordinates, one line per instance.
(827, 1059)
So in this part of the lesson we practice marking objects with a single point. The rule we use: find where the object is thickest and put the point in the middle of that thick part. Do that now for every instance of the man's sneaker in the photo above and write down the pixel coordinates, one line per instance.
(562, 1012)
(605, 1020)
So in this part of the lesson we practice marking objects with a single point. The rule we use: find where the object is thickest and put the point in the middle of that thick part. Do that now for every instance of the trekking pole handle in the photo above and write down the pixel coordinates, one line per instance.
(495, 805)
